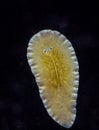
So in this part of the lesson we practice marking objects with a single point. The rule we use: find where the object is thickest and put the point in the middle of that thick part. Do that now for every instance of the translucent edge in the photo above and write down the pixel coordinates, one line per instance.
(33, 66)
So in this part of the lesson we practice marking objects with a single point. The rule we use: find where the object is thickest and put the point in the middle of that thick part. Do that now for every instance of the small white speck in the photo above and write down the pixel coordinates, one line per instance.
(76, 82)
(30, 62)
(29, 54)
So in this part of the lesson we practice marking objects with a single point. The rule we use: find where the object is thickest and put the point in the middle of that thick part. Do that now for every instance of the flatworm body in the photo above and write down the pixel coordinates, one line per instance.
(53, 62)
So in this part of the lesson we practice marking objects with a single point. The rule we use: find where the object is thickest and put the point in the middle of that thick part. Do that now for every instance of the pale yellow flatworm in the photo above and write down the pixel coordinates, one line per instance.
(54, 64)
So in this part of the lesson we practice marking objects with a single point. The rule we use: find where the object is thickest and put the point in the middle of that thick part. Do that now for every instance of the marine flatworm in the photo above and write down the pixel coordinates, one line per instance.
(53, 61)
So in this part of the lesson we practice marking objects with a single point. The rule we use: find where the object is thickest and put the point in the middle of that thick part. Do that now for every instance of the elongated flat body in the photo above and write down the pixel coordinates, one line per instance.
(54, 64)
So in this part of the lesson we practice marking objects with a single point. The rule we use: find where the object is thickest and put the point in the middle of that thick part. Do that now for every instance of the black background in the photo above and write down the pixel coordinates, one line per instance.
(20, 105)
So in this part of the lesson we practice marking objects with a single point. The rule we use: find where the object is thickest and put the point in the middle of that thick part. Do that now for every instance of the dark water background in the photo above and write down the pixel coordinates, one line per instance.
(20, 105)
